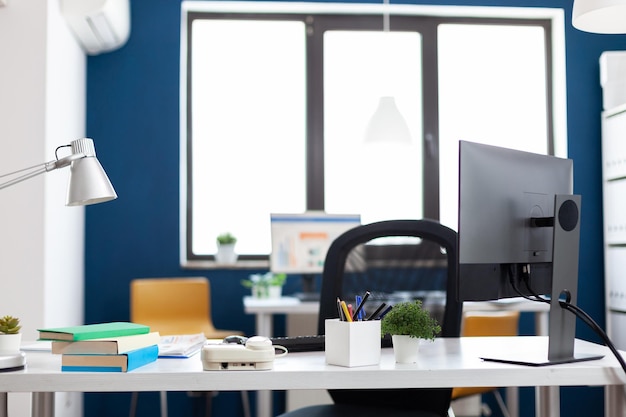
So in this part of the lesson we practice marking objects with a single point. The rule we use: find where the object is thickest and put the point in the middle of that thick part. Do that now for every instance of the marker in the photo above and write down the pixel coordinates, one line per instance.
(357, 303)
(361, 303)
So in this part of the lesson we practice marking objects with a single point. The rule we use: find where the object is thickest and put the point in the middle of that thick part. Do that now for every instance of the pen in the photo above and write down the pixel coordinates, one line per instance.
(378, 310)
(361, 303)
(385, 312)
(344, 308)
(350, 311)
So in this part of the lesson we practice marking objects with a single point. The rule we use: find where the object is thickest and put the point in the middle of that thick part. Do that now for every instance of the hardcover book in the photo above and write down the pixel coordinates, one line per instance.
(109, 363)
(107, 345)
(93, 331)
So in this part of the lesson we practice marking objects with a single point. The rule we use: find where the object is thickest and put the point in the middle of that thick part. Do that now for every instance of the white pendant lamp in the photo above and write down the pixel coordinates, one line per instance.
(387, 125)
(600, 16)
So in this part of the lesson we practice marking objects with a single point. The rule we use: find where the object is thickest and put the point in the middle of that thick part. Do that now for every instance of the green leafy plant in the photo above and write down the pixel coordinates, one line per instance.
(226, 239)
(265, 280)
(411, 319)
(9, 325)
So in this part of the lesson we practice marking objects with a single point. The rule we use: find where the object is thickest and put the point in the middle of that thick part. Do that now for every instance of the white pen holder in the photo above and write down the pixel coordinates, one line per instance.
(352, 343)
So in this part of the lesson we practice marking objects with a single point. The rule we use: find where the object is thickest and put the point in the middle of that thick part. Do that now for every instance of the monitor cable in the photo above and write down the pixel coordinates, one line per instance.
(566, 305)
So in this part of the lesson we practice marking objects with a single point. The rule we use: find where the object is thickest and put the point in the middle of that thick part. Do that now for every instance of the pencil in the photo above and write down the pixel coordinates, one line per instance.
(339, 310)
(344, 308)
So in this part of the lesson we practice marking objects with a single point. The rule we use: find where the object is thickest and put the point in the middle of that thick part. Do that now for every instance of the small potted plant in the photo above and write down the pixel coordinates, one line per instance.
(10, 336)
(407, 323)
(268, 285)
(226, 249)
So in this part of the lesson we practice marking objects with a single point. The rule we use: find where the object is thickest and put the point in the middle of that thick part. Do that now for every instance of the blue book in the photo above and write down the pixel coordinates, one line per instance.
(109, 363)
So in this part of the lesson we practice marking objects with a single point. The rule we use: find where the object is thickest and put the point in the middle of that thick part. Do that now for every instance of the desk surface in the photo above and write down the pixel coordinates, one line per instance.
(450, 362)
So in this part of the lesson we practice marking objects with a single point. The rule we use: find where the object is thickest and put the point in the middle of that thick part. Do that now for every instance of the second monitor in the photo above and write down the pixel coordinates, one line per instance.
(300, 242)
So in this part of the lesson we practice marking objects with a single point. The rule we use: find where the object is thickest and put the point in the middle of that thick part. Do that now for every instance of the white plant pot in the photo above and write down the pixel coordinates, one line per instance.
(260, 291)
(267, 291)
(275, 291)
(226, 254)
(405, 348)
(10, 343)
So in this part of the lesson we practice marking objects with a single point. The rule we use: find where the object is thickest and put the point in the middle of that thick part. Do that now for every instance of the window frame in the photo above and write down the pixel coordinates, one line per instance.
(319, 17)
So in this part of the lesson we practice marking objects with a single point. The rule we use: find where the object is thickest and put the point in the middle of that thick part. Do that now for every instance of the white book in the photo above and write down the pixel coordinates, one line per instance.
(106, 345)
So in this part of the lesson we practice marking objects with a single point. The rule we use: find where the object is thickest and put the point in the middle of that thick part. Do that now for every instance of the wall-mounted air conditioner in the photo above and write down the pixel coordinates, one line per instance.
(99, 25)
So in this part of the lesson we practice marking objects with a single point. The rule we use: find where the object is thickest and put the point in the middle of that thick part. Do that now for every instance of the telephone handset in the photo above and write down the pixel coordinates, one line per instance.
(254, 353)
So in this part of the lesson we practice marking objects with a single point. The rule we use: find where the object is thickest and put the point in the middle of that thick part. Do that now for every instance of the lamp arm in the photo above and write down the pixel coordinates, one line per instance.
(40, 169)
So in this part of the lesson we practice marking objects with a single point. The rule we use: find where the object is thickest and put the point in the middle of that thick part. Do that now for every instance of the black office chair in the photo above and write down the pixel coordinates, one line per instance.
(425, 269)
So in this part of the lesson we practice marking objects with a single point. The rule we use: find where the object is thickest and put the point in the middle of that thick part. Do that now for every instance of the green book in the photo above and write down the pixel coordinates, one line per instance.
(93, 331)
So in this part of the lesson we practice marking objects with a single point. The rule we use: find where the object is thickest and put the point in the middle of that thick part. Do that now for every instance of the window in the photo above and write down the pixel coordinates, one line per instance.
(275, 105)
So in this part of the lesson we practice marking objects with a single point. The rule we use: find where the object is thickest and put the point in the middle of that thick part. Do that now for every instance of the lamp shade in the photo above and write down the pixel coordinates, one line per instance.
(88, 183)
(387, 124)
(600, 16)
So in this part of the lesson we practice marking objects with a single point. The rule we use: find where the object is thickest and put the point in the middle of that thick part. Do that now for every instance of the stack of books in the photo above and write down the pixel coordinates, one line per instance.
(103, 347)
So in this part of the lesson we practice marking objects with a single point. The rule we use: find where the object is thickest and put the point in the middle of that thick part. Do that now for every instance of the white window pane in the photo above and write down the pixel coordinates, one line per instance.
(492, 90)
(380, 181)
(248, 113)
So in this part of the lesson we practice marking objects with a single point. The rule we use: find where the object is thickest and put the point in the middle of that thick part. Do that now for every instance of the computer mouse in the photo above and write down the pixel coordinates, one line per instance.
(236, 339)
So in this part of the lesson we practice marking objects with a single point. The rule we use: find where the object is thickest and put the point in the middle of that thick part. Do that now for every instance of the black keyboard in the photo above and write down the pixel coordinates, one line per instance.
(311, 343)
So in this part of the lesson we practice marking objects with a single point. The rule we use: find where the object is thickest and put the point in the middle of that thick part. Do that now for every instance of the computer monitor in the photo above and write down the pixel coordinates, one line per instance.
(518, 231)
(300, 242)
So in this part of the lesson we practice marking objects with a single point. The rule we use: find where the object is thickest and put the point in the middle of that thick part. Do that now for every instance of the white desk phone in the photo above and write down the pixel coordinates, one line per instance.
(240, 353)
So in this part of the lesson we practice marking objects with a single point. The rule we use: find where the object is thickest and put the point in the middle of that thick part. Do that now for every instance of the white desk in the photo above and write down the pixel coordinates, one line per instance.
(452, 362)
(265, 309)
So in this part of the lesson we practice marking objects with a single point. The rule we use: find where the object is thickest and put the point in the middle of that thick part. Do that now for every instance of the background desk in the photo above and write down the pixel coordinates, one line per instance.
(264, 309)
(452, 362)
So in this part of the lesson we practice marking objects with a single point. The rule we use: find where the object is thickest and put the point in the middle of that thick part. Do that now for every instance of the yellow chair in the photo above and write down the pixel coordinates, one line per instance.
(487, 323)
(175, 306)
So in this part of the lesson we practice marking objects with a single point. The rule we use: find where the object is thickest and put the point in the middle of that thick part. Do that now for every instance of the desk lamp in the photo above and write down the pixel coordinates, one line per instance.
(88, 184)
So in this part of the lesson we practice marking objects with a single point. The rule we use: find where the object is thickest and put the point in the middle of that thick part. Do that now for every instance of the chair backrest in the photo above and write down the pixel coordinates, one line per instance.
(172, 306)
(430, 269)
(490, 323)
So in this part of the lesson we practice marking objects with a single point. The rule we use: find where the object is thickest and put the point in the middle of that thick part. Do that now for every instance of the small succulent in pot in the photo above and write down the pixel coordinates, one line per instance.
(9, 325)
(226, 239)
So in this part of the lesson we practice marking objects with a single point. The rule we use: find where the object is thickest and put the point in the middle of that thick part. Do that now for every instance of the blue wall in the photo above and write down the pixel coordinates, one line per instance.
(133, 115)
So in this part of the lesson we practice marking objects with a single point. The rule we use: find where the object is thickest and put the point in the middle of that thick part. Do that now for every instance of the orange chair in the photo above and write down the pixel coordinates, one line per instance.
(175, 306)
(487, 323)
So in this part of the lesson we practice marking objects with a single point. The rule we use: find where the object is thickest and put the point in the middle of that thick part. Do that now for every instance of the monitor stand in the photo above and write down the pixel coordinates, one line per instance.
(562, 331)
(308, 289)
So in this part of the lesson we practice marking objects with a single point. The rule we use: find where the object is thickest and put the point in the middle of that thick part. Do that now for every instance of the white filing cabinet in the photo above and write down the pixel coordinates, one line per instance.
(614, 205)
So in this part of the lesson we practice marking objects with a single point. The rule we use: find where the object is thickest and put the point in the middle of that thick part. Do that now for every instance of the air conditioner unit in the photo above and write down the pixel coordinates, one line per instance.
(99, 25)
